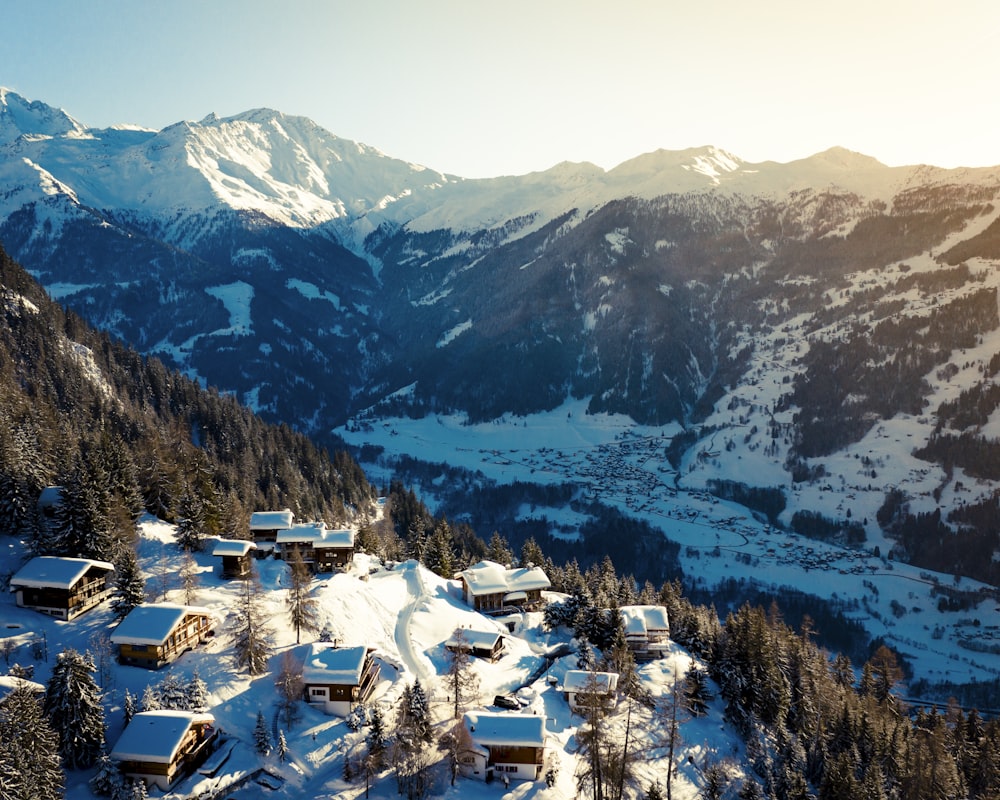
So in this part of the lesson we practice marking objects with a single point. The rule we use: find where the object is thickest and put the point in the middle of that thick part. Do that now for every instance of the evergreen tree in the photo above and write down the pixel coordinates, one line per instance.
(261, 737)
(377, 739)
(171, 693)
(189, 579)
(196, 693)
(498, 550)
(460, 678)
(653, 792)
(29, 750)
(130, 586)
(594, 744)
(130, 706)
(302, 606)
(251, 634)
(190, 532)
(282, 748)
(73, 706)
(531, 554)
(439, 553)
(149, 702)
(108, 780)
(696, 692)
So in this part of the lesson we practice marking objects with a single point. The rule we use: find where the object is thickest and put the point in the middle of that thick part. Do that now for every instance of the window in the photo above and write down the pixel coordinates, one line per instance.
(314, 692)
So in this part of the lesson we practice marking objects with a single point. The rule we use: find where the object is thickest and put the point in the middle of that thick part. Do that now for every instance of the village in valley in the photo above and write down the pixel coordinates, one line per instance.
(500, 696)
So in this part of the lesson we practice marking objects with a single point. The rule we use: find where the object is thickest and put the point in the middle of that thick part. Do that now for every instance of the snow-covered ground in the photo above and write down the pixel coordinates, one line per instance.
(406, 613)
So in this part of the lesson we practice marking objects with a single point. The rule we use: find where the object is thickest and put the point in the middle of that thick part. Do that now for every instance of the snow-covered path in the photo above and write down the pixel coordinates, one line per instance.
(419, 665)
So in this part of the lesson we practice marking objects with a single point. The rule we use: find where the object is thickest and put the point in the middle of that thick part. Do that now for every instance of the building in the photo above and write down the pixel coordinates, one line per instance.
(481, 644)
(159, 747)
(62, 587)
(336, 679)
(647, 631)
(322, 549)
(235, 555)
(8, 683)
(155, 634)
(584, 689)
(511, 745)
(264, 525)
(492, 588)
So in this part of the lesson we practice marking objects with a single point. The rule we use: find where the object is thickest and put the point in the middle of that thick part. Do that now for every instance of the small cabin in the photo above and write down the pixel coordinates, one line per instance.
(62, 587)
(584, 689)
(160, 747)
(236, 557)
(322, 549)
(156, 634)
(336, 679)
(264, 525)
(511, 745)
(493, 589)
(481, 644)
(647, 631)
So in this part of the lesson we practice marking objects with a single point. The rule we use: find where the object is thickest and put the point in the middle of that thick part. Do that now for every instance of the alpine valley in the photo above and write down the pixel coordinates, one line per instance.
(720, 351)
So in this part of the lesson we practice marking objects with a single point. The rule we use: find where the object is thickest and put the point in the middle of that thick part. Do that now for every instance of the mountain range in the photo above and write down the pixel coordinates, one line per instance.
(782, 314)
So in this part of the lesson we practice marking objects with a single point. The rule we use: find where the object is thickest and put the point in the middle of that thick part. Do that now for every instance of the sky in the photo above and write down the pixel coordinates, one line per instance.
(482, 89)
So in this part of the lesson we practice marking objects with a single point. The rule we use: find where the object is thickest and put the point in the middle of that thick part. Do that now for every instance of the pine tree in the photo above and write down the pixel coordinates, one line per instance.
(696, 692)
(171, 693)
(377, 739)
(73, 706)
(439, 553)
(261, 737)
(282, 746)
(196, 693)
(130, 586)
(302, 606)
(189, 579)
(129, 706)
(29, 750)
(251, 634)
(498, 550)
(531, 554)
(190, 533)
(108, 780)
(149, 702)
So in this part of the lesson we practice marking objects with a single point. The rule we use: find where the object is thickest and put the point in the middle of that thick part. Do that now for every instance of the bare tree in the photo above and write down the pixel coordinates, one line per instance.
(189, 579)
(290, 688)
(462, 681)
(302, 607)
(251, 634)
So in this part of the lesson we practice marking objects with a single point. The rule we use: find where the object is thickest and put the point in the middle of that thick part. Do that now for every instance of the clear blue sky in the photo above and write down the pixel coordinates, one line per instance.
(481, 89)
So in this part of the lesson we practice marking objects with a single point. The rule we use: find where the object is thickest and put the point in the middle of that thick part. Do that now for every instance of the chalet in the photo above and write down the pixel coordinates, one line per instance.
(481, 644)
(62, 587)
(159, 747)
(323, 550)
(492, 588)
(335, 679)
(647, 631)
(155, 634)
(235, 555)
(264, 525)
(8, 683)
(503, 744)
(584, 689)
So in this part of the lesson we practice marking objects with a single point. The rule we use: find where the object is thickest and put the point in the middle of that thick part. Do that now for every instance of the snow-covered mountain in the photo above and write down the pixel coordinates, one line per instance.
(772, 321)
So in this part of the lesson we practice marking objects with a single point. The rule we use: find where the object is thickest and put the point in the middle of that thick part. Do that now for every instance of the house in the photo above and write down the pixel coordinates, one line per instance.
(62, 587)
(335, 679)
(481, 644)
(647, 631)
(502, 744)
(235, 555)
(584, 689)
(264, 525)
(8, 683)
(323, 550)
(492, 588)
(155, 634)
(161, 746)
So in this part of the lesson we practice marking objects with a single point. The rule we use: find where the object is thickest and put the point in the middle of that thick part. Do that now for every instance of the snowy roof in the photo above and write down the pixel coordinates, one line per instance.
(341, 538)
(486, 728)
(156, 735)
(270, 520)
(55, 572)
(475, 638)
(8, 683)
(488, 577)
(576, 680)
(639, 620)
(232, 547)
(151, 623)
(302, 532)
(327, 663)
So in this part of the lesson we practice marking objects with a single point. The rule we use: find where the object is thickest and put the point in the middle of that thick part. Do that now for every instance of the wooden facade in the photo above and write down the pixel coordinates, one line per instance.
(153, 635)
(62, 587)
(159, 747)
(503, 745)
(491, 588)
(335, 680)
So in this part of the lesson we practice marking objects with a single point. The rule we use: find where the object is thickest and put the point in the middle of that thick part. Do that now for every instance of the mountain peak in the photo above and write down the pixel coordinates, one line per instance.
(21, 117)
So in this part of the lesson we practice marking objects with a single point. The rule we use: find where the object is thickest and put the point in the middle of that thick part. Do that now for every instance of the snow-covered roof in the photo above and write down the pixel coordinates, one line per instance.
(488, 577)
(475, 638)
(55, 572)
(639, 620)
(151, 623)
(342, 538)
(576, 680)
(8, 683)
(327, 663)
(232, 547)
(301, 532)
(525, 730)
(271, 520)
(156, 736)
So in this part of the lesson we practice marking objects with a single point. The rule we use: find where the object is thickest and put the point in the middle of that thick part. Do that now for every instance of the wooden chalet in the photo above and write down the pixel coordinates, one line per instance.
(8, 683)
(155, 634)
(511, 745)
(159, 747)
(647, 631)
(584, 689)
(236, 557)
(264, 527)
(481, 644)
(336, 679)
(62, 587)
(322, 549)
(493, 589)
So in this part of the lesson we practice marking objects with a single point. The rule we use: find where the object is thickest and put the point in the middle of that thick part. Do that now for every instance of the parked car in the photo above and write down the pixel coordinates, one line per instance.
(506, 701)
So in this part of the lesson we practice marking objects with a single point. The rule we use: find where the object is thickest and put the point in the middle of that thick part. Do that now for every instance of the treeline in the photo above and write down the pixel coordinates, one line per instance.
(121, 434)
